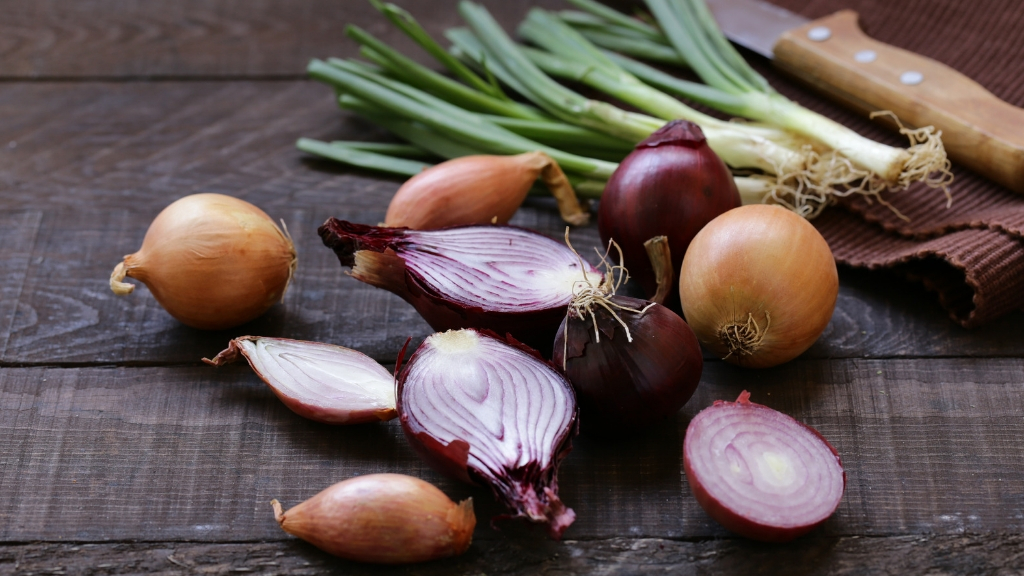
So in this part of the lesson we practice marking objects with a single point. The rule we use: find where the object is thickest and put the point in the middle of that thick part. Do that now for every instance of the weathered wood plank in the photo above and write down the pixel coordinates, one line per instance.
(898, 555)
(195, 454)
(96, 162)
(223, 38)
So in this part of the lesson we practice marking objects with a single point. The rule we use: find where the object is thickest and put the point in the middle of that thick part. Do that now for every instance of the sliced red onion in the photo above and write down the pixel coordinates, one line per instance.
(759, 472)
(499, 278)
(322, 382)
(629, 370)
(490, 411)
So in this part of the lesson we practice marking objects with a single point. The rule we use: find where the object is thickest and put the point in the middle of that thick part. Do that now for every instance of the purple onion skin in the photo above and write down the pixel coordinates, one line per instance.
(452, 459)
(535, 328)
(622, 386)
(672, 184)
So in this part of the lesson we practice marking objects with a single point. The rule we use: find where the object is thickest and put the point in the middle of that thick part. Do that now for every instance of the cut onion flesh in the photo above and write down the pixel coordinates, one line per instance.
(759, 472)
(490, 411)
(322, 382)
(499, 278)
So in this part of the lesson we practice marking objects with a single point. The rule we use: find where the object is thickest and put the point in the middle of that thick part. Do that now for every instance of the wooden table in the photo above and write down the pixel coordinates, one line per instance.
(122, 453)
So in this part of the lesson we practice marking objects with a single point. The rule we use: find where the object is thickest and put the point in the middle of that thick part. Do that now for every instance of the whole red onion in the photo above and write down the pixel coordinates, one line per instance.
(629, 370)
(672, 184)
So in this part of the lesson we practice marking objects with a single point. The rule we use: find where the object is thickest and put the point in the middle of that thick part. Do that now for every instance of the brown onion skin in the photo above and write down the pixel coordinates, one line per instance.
(756, 259)
(625, 386)
(383, 519)
(744, 526)
(214, 262)
(672, 184)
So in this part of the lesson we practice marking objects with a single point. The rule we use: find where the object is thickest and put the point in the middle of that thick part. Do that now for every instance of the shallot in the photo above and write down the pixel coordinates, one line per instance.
(759, 472)
(490, 411)
(322, 382)
(479, 189)
(382, 518)
(212, 261)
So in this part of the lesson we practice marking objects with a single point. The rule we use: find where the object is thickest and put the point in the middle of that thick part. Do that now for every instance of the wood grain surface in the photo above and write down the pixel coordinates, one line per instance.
(123, 454)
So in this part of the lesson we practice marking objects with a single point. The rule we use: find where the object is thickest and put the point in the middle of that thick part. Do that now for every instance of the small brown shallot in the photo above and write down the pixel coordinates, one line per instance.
(479, 190)
(382, 518)
(212, 261)
(322, 382)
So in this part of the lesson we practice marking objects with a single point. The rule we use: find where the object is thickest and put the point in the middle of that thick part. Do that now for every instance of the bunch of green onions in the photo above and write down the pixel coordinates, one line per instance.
(686, 35)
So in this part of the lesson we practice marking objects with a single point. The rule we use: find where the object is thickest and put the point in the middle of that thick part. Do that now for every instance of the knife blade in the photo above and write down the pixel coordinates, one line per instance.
(833, 55)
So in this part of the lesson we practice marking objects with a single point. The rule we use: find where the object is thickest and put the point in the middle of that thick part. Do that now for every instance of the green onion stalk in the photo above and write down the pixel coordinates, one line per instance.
(862, 165)
(740, 146)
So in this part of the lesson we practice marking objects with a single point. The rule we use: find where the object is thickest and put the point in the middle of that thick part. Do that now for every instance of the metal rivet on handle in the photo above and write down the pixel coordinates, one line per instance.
(911, 77)
(865, 56)
(819, 33)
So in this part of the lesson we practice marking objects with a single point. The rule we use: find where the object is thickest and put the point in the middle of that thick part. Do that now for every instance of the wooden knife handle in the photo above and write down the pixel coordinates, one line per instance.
(979, 130)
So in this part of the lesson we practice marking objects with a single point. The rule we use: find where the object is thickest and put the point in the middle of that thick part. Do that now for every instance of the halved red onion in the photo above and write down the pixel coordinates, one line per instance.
(761, 473)
(491, 411)
(499, 278)
(322, 382)
(631, 371)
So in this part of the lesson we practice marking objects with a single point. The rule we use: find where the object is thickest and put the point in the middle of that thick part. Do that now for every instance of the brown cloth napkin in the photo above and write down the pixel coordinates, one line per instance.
(971, 254)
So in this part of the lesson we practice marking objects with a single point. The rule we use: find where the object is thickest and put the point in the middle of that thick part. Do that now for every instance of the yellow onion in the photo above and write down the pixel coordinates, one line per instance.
(479, 190)
(212, 261)
(758, 285)
(382, 518)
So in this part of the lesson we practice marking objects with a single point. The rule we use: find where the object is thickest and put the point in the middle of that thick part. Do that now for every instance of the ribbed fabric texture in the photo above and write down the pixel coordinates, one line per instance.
(971, 254)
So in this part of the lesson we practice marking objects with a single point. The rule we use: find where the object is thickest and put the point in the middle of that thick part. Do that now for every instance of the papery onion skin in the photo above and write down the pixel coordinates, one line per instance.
(384, 519)
(624, 386)
(328, 408)
(760, 276)
(740, 521)
(479, 189)
(672, 184)
(212, 261)
(378, 256)
(528, 486)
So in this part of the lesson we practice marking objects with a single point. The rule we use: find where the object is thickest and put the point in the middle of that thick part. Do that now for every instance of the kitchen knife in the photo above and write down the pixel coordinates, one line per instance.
(833, 55)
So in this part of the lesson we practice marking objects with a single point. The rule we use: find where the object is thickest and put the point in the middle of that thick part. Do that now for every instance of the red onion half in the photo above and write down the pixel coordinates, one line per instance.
(759, 472)
(630, 371)
(322, 382)
(672, 184)
(498, 278)
(493, 412)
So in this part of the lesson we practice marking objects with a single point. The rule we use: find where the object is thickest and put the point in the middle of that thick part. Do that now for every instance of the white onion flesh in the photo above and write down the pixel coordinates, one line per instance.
(496, 268)
(327, 383)
(766, 470)
(485, 410)
(509, 407)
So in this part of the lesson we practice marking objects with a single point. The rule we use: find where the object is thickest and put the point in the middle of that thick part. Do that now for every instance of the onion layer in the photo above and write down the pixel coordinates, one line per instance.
(758, 285)
(322, 382)
(759, 472)
(631, 369)
(382, 518)
(490, 411)
(672, 184)
(212, 261)
(498, 278)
